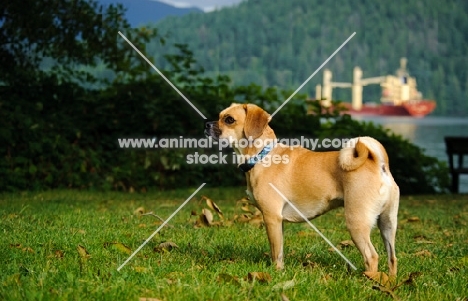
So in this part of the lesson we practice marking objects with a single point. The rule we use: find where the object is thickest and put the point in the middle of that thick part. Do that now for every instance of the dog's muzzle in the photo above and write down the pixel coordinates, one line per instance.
(212, 129)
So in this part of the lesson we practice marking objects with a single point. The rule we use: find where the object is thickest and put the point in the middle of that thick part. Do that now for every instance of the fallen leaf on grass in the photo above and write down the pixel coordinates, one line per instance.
(257, 220)
(245, 207)
(227, 223)
(284, 297)
(413, 219)
(213, 206)
(140, 269)
(259, 276)
(27, 249)
(257, 212)
(284, 285)
(391, 290)
(243, 218)
(381, 278)
(207, 215)
(386, 290)
(422, 239)
(173, 277)
(454, 269)
(139, 211)
(408, 280)
(76, 230)
(58, 254)
(205, 219)
(226, 278)
(464, 260)
(305, 233)
(244, 200)
(217, 224)
(423, 253)
(83, 252)
(166, 247)
(346, 244)
(119, 247)
(158, 217)
(326, 278)
(309, 264)
(16, 278)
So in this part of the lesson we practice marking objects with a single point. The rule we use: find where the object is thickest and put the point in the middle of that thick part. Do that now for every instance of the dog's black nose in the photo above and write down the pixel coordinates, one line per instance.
(209, 125)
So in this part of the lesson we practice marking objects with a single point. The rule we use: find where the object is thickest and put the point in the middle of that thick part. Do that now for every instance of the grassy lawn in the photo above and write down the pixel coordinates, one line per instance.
(67, 245)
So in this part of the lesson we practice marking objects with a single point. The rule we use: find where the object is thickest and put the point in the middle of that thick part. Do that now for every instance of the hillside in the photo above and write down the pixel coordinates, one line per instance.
(281, 43)
(141, 12)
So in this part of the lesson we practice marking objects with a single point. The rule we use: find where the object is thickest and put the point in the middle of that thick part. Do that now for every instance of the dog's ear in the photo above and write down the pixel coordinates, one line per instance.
(256, 120)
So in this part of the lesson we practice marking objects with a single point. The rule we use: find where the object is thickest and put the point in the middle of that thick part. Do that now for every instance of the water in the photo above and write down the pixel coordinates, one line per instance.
(428, 133)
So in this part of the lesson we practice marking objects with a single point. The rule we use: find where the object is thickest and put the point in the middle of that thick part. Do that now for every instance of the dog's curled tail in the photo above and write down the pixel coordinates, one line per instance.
(353, 155)
(357, 150)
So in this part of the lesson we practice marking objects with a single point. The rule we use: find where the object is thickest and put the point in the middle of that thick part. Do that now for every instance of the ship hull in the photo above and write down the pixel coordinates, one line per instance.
(416, 109)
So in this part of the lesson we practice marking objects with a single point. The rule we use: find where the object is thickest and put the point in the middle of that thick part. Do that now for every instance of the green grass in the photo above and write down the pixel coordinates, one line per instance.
(40, 233)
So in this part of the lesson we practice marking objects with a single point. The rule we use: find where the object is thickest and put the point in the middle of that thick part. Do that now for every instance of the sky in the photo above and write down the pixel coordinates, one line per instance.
(205, 5)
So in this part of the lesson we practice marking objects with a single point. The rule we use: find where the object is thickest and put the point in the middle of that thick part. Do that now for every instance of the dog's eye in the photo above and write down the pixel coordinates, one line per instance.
(229, 120)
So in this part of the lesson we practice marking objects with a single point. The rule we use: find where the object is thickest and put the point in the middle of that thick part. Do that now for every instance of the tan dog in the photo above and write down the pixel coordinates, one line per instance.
(315, 182)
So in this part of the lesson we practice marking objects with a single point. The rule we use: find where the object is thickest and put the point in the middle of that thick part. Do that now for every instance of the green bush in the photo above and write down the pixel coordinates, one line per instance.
(67, 137)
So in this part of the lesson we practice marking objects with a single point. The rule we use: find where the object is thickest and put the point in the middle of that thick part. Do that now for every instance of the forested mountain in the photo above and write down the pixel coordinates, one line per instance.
(140, 12)
(281, 43)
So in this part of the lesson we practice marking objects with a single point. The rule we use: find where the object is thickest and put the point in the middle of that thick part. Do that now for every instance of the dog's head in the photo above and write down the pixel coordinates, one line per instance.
(239, 121)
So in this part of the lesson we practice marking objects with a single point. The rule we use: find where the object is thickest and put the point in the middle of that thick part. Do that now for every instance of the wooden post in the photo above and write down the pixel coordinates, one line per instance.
(318, 92)
(327, 87)
(357, 89)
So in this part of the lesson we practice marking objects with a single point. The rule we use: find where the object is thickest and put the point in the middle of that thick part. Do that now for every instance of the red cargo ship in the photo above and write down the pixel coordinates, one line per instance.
(400, 96)
(415, 108)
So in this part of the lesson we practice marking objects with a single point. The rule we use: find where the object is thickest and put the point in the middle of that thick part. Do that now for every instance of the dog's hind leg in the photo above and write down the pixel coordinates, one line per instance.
(360, 233)
(359, 220)
(387, 224)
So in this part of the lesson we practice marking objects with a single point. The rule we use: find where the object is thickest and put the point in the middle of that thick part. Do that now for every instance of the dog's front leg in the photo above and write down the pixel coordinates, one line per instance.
(274, 228)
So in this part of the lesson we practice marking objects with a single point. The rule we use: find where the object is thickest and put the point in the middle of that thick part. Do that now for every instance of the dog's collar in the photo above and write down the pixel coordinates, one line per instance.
(245, 167)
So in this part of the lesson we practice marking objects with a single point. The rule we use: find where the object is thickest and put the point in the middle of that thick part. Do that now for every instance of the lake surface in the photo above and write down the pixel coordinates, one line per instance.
(428, 133)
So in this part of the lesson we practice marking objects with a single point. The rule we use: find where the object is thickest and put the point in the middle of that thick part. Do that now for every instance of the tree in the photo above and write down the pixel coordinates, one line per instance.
(47, 52)
(66, 32)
